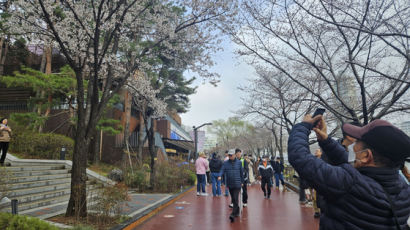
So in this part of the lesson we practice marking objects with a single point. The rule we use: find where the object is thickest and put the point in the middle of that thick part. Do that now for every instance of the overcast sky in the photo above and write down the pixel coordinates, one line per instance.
(212, 103)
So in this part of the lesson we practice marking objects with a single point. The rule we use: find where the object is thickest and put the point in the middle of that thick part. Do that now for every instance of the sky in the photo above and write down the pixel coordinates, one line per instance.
(213, 103)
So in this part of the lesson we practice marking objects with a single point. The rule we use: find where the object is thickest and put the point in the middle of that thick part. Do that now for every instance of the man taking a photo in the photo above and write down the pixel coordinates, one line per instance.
(368, 195)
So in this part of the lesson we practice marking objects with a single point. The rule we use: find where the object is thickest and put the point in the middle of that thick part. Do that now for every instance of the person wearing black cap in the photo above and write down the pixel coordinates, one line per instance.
(265, 174)
(278, 168)
(368, 195)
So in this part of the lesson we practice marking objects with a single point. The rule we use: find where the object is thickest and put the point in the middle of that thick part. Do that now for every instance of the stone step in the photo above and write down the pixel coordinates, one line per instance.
(42, 195)
(38, 189)
(39, 173)
(38, 178)
(33, 184)
(45, 199)
(56, 209)
(34, 168)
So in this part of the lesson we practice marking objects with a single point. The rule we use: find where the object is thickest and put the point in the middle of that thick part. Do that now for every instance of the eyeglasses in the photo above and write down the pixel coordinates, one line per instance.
(360, 151)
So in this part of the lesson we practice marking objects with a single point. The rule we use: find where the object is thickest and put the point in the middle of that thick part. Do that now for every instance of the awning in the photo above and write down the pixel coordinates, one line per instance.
(179, 145)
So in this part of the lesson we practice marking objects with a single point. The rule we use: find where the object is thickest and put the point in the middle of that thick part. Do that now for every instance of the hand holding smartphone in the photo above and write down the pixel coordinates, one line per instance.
(318, 111)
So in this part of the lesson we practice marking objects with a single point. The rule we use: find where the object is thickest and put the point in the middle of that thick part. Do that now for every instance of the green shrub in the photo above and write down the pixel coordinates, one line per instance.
(136, 179)
(17, 222)
(169, 177)
(41, 145)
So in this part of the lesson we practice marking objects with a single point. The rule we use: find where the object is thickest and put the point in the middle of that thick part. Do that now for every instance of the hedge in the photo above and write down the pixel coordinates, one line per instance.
(41, 145)
(17, 222)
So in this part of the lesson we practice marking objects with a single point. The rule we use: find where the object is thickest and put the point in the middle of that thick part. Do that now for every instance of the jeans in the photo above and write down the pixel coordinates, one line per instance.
(216, 184)
(200, 182)
(235, 199)
(279, 176)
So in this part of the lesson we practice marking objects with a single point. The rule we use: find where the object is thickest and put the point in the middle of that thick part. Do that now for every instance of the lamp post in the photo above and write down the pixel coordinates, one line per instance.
(196, 138)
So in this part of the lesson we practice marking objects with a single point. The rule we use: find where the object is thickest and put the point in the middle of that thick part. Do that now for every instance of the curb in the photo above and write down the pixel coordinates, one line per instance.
(293, 187)
(142, 217)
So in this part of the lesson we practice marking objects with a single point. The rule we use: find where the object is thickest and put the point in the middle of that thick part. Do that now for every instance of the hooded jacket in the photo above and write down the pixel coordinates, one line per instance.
(355, 198)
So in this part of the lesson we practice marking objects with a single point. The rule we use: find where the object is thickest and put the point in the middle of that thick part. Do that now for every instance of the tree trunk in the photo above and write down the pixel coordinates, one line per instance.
(152, 151)
(4, 47)
(140, 137)
(77, 205)
(47, 51)
(127, 113)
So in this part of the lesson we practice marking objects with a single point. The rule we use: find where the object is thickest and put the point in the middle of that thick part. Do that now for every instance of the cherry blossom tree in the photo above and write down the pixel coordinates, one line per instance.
(352, 56)
(106, 42)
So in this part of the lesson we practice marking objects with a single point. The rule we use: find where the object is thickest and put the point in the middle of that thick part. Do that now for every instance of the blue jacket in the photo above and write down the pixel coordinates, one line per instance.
(234, 173)
(355, 198)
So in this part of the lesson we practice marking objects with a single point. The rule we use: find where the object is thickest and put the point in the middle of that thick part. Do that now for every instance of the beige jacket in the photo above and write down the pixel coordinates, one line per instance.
(5, 135)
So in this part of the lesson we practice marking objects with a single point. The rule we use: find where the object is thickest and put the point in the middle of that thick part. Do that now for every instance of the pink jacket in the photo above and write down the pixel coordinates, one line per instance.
(201, 165)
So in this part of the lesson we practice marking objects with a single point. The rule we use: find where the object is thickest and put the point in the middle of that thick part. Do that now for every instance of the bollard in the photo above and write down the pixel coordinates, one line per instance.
(62, 153)
(14, 206)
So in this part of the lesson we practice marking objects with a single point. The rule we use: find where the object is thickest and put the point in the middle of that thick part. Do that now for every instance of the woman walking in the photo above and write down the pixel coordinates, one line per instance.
(201, 165)
(5, 134)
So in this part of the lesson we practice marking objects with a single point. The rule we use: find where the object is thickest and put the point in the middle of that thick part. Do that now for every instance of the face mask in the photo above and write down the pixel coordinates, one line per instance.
(352, 156)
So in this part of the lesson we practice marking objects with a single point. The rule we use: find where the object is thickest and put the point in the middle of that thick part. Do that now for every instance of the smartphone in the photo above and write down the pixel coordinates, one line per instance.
(319, 111)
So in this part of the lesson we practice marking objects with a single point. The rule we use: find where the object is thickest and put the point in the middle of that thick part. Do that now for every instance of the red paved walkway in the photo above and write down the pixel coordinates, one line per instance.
(282, 211)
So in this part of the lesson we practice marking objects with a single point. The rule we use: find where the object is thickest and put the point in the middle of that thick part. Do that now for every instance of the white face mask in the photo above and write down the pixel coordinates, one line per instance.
(352, 156)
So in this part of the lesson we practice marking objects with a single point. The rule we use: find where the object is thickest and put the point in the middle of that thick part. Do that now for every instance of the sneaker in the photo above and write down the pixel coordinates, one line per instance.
(245, 204)
(231, 218)
(303, 202)
(265, 197)
(204, 194)
(231, 205)
(198, 193)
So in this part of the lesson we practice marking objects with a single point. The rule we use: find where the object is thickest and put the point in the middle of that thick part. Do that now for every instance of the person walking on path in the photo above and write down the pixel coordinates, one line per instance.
(215, 166)
(245, 167)
(5, 136)
(201, 165)
(251, 173)
(234, 180)
(224, 176)
(278, 167)
(265, 174)
(367, 195)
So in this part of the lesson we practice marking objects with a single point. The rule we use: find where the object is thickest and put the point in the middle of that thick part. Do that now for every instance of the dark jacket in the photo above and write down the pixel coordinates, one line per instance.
(245, 166)
(355, 198)
(278, 167)
(265, 172)
(234, 173)
(215, 165)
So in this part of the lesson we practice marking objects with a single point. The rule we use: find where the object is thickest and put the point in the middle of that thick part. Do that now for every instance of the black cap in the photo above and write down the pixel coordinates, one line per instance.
(383, 137)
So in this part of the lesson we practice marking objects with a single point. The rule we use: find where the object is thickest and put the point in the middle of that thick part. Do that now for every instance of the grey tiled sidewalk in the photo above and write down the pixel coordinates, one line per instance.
(138, 203)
